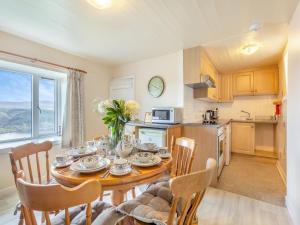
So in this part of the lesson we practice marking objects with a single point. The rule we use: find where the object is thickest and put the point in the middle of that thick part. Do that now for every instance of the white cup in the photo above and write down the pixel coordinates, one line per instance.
(61, 158)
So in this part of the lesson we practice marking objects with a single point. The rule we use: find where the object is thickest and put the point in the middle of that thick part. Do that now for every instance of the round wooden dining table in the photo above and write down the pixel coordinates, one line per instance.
(119, 185)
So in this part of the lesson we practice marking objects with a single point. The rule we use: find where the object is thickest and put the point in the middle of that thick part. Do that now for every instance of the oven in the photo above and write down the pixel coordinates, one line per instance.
(168, 115)
(221, 149)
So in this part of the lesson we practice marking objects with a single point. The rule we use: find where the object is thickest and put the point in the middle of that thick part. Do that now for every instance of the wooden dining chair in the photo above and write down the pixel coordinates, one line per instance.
(21, 158)
(54, 197)
(183, 152)
(26, 153)
(188, 191)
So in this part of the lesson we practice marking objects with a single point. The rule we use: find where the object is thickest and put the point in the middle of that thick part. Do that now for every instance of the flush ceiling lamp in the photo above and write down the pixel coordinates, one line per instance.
(249, 49)
(100, 4)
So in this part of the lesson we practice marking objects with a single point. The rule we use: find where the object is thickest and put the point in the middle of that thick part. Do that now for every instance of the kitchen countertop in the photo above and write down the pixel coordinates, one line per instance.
(223, 122)
(254, 121)
(152, 125)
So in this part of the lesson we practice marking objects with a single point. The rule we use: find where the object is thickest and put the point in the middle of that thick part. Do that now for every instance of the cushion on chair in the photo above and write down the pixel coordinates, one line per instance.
(78, 213)
(152, 206)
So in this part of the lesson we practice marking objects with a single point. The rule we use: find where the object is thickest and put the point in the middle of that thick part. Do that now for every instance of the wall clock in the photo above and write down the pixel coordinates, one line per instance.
(156, 86)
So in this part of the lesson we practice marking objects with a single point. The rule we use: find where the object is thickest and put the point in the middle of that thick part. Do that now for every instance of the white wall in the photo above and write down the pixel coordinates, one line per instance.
(293, 120)
(96, 85)
(169, 67)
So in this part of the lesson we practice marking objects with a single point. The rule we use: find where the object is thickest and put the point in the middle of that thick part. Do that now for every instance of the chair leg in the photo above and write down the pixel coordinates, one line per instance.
(101, 196)
(133, 192)
(43, 218)
(21, 218)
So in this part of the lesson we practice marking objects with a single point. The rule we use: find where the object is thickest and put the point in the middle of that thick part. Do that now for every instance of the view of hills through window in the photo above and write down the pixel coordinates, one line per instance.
(16, 106)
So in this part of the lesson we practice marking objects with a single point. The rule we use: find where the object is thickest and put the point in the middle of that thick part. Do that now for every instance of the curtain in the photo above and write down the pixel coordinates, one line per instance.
(73, 130)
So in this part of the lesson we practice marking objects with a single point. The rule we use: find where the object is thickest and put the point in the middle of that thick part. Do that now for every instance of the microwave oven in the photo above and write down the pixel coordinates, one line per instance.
(168, 115)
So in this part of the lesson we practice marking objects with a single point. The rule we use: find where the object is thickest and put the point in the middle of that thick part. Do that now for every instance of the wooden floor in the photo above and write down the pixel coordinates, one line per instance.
(218, 208)
(224, 208)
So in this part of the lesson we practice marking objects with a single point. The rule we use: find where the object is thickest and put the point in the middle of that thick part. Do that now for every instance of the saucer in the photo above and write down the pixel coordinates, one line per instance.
(119, 172)
(62, 165)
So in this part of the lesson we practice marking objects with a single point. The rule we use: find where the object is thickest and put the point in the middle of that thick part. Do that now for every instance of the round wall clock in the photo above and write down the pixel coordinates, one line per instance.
(156, 86)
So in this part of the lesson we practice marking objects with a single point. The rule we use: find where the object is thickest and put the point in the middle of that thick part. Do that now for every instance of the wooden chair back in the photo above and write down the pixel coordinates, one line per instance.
(23, 153)
(183, 152)
(54, 197)
(190, 189)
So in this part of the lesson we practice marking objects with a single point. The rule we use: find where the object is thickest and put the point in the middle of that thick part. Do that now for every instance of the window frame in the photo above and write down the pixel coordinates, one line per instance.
(35, 78)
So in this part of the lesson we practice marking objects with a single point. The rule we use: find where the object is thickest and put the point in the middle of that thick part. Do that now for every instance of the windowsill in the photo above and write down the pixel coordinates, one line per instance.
(5, 147)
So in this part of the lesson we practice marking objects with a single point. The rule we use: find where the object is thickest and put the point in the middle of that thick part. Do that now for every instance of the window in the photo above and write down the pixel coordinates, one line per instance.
(30, 105)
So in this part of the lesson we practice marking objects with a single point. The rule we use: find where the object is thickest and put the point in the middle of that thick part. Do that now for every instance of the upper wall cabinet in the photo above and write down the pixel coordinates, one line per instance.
(256, 82)
(266, 81)
(225, 88)
(243, 83)
(195, 64)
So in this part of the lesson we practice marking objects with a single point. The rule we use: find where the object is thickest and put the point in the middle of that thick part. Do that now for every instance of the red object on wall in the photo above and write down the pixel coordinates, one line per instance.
(277, 110)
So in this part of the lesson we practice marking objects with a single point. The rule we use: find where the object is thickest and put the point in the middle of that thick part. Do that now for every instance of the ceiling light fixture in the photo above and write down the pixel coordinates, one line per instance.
(100, 4)
(249, 49)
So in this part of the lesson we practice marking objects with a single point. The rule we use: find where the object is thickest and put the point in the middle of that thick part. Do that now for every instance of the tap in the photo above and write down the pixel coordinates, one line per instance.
(249, 115)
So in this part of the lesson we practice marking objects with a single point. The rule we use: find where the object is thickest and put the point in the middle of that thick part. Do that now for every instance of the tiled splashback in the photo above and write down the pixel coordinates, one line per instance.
(256, 105)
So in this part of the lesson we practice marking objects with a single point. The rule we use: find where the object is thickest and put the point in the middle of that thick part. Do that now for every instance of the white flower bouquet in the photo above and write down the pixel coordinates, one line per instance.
(116, 114)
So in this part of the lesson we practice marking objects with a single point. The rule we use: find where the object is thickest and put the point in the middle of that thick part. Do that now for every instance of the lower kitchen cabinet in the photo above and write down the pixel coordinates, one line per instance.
(243, 138)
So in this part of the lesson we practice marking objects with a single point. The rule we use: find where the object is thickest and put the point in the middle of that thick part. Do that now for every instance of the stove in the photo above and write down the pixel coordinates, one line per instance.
(210, 122)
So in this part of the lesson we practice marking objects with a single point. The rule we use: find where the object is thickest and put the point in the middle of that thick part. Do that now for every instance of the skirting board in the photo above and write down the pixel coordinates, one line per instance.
(295, 216)
(281, 172)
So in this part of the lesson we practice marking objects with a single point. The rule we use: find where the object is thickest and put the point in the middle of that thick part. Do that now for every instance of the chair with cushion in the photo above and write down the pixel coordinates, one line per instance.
(76, 203)
(177, 204)
(183, 152)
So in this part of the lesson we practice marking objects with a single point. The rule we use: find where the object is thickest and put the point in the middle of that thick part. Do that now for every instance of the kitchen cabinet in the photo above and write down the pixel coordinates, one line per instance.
(225, 88)
(265, 81)
(257, 82)
(243, 138)
(243, 84)
(195, 64)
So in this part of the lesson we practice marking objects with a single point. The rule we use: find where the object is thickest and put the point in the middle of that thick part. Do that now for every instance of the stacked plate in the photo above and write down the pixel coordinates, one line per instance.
(90, 164)
(145, 159)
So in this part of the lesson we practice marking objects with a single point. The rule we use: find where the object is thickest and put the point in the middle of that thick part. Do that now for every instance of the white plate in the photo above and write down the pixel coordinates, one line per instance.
(120, 172)
(62, 165)
(75, 153)
(78, 167)
(156, 160)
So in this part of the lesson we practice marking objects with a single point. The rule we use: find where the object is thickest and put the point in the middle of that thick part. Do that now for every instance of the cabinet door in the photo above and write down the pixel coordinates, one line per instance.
(266, 81)
(243, 137)
(191, 65)
(225, 88)
(213, 92)
(243, 84)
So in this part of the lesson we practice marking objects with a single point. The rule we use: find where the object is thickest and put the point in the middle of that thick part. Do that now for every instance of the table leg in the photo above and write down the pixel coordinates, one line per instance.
(118, 197)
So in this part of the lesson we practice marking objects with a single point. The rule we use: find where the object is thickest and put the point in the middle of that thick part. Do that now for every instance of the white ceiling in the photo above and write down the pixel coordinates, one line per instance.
(136, 29)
